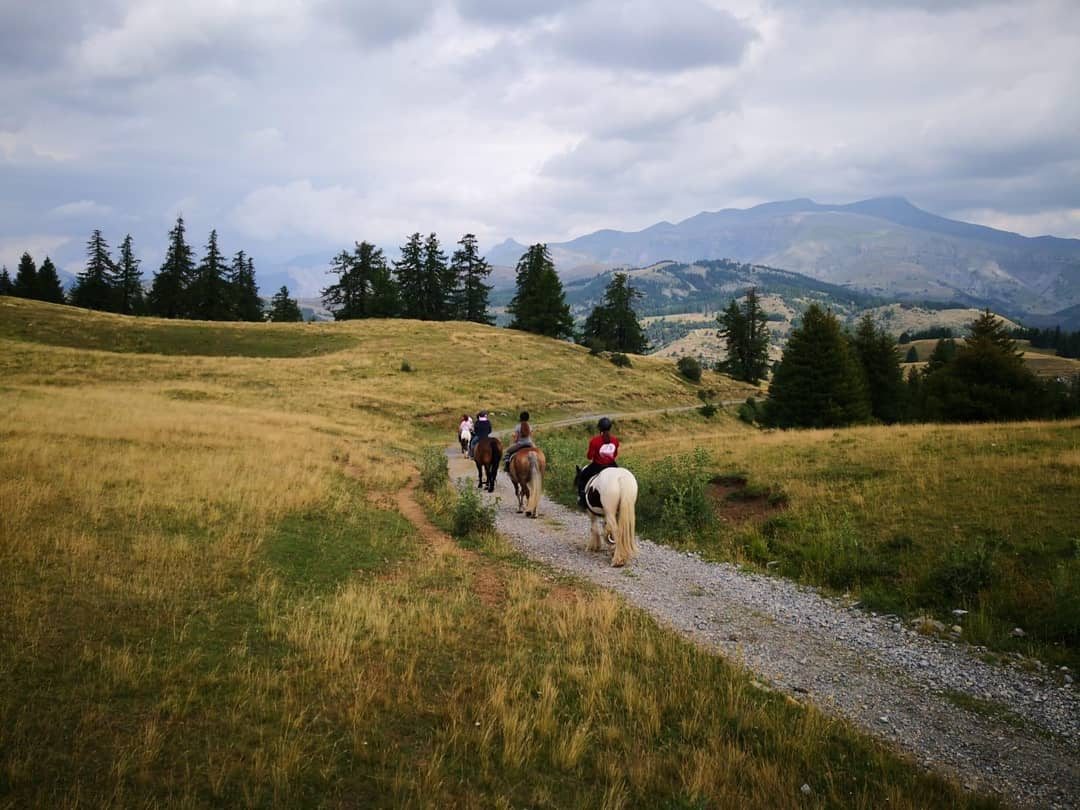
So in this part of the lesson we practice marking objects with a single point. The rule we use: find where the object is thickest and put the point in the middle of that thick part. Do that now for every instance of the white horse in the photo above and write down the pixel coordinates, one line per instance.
(616, 489)
(465, 437)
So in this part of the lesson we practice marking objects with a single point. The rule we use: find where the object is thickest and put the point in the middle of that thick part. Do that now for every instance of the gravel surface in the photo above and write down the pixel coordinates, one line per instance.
(873, 670)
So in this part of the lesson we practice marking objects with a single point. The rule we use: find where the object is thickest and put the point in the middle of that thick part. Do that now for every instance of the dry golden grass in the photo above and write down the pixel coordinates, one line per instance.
(199, 607)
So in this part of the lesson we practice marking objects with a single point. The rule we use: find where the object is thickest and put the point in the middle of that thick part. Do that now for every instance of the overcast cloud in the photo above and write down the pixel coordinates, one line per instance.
(296, 127)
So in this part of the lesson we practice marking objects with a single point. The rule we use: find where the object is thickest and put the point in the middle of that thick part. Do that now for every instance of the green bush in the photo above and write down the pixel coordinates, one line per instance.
(434, 472)
(690, 368)
(708, 410)
(406, 366)
(674, 501)
(965, 570)
(750, 411)
(472, 515)
(621, 360)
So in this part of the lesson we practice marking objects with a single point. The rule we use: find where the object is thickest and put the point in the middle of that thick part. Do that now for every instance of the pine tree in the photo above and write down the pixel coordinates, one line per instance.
(365, 288)
(746, 336)
(438, 282)
(48, 282)
(539, 304)
(613, 325)
(880, 362)
(818, 382)
(95, 287)
(244, 301)
(383, 297)
(470, 293)
(912, 355)
(409, 270)
(986, 380)
(209, 294)
(168, 293)
(283, 308)
(26, 285)
(7, 287)
(130, 299)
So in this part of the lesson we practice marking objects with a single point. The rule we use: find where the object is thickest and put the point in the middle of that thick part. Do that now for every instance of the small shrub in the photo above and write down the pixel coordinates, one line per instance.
(406, 366)
(621, 360)
(965, 570)
(434, 472)
(750, 411)
(674, 501)
(690, 368)
(472, 515)
(708, 410)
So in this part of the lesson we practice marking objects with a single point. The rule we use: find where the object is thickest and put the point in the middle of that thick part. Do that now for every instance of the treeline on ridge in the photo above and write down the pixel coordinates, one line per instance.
(212, 290)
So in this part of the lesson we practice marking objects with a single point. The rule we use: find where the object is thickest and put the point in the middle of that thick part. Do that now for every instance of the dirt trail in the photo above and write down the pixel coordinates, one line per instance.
(994, 728)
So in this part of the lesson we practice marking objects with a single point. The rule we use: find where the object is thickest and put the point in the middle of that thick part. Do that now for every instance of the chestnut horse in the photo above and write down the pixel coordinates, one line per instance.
(527, 467)
(487, 454)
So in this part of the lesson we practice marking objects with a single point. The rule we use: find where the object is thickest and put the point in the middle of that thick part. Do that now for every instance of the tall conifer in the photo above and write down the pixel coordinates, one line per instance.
(438, 281)
(95, 286)
(409, 270)
(539, 304)
(880, 360)
(48, 283)
(818, 382)
(470, 292)
(26, 285)
(613, 325)
(209, 292)
(244, 301)
(746, 336)
(7, 286)
(130, 297)
(168, 293)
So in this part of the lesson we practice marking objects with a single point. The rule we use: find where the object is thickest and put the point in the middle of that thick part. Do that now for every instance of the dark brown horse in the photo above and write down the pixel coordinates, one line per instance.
(527, 467)
(487, 454)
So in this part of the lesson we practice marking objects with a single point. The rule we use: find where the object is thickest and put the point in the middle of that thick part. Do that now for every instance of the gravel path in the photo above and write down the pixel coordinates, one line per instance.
(884, 677)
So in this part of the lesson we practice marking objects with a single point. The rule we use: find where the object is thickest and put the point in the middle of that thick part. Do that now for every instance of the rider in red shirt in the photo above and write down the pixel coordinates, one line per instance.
(602, 452)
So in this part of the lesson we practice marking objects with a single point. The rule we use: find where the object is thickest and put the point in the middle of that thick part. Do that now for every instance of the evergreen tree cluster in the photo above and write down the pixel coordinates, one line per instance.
(746, 338)
(1067, 344)
(984, 379)
(31, 282)
(423, 283)
(212, 290)
(829, 378)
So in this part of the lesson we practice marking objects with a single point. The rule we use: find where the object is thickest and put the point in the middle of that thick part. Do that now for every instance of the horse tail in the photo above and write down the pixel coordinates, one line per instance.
(535, 484)
(625, 530)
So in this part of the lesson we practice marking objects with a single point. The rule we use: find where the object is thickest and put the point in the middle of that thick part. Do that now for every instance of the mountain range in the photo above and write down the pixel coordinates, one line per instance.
(885, 247)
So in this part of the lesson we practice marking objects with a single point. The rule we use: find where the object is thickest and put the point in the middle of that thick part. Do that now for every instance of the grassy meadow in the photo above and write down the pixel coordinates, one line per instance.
(911, 519)
(209, 596)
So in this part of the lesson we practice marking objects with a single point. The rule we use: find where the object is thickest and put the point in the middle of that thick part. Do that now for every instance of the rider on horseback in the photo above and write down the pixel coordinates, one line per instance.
(522, 438)
(602, 452)
(483, 430)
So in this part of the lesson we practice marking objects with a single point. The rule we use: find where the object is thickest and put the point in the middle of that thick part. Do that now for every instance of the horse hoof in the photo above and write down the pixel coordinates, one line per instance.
(618, 564)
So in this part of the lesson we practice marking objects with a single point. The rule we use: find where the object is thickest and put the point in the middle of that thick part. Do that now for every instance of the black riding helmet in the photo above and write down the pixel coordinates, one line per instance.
(604, 424)
(523, 416)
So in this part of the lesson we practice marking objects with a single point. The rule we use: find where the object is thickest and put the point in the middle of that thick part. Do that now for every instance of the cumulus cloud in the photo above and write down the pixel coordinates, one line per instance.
(644, 35)
(37, 245)
(81, 208)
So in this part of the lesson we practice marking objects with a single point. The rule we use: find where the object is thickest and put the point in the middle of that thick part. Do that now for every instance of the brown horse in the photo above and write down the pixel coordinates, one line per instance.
(527, 467)
(487, 454)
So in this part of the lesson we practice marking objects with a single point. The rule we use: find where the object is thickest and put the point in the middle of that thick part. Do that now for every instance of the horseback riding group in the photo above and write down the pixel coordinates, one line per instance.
(606, 491)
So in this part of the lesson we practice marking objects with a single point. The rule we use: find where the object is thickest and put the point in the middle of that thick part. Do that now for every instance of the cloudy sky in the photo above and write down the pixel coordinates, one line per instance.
(296, 127)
